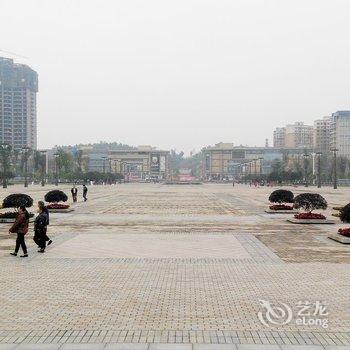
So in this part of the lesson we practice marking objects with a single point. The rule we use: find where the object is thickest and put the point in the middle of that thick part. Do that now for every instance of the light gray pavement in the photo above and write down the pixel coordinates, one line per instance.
(149, 265)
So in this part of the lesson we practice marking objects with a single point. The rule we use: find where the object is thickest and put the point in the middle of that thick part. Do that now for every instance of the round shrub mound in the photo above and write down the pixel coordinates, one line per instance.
(310, 202)
(55, 196)
(345, 213)
(281, 196)
(16, 200)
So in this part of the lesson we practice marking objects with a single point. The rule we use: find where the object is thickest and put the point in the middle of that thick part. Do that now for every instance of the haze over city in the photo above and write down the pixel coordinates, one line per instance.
(181, 74)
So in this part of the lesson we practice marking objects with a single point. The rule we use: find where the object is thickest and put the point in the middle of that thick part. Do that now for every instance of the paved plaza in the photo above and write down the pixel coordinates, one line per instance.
(153, 266)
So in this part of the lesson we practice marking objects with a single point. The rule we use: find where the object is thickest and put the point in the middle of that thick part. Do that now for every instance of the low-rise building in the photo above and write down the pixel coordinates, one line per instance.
(226, 161)
(143, 163)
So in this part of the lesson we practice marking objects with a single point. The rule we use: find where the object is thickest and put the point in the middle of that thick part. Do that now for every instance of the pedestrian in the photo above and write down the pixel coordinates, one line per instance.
(85, 191)
(20, 227)
(233, 183)
(40, 229)
(74, 192)
(46, 211)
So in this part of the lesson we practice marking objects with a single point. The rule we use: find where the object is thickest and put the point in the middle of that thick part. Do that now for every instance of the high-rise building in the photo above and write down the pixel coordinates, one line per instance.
(340, 133)
(18, 88)
(279, 138)
(322, 134)
(299, 135)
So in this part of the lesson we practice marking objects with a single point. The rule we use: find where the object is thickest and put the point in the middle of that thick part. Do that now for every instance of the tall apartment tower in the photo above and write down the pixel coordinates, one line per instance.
(299, 135)
(322, 134)
(18, 88)
(340, 132)
(279, 138)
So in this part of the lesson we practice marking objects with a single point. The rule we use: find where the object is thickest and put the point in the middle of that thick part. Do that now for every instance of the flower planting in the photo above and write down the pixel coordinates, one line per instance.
(15, 201)
(280, 199)
(309, 202)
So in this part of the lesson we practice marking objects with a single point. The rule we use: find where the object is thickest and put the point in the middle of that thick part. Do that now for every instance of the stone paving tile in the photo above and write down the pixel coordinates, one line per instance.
(179, 299)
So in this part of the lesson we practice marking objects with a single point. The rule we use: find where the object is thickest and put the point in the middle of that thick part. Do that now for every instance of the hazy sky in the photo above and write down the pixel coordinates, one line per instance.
(180, 74)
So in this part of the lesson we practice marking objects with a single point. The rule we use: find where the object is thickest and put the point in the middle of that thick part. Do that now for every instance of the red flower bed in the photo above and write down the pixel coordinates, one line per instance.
(309, 216)
(344, 232)
(57, 206)
(281, 207)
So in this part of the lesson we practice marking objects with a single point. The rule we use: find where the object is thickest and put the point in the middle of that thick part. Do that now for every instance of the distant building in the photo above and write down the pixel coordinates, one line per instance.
(18, 88)
(322, 134)
(299, 135)
(143, 163)
(226, 161)
(279, 138)
(340, 133)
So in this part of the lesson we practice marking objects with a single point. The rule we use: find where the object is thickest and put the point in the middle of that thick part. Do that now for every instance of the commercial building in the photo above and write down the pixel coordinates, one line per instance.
(143, 163)
(18, 119)
(340, 133)
(226, 161)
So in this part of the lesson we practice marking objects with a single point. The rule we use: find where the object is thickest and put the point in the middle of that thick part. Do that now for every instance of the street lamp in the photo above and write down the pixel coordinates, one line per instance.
(25, 152)
(104, 163)
(335, 178)
(4, 147)
(56, 155)
(261, 166)
(43, 163)
(306, 156)
(319, 169)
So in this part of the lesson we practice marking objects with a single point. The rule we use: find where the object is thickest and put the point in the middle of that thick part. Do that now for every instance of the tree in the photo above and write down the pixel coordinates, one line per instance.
(281, 196)
(345, 213)
(16, 200)
(310, 202)
(55, 196)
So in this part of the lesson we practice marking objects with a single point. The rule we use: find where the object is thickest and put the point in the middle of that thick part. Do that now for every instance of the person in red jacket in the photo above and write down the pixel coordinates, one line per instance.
(20, 227)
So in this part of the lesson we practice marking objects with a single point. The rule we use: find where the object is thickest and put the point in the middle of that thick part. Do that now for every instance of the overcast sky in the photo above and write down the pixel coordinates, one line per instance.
(180, 74)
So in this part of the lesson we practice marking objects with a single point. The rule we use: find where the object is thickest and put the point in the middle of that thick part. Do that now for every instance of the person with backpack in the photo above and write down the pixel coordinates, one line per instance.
(20, 227)
(40, 228)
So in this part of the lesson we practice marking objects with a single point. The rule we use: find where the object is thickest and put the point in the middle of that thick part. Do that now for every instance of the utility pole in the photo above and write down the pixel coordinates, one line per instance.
(25, 152)
(335, 177)
(319, 169)
(56, 155)
(4, 147)
(306, 156)
(43, 164)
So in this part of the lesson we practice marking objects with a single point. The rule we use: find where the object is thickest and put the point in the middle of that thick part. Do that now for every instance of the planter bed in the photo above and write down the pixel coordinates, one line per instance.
(339, 238)
(56, 210)
(311, 221)
(269, 211)
(12, 220)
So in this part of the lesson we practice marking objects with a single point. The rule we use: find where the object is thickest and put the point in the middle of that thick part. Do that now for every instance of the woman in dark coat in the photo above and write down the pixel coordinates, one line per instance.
(20, 227)
(40, 227)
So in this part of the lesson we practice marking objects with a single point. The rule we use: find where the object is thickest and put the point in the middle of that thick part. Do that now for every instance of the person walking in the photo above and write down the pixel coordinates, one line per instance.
(20, 227)
(46, 211)
(74, 192)
(40, 229)
(85, 191)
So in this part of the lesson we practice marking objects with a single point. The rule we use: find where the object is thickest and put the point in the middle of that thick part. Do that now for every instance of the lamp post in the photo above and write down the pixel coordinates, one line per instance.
(306, 156)
(4, 147)
(335, 177)
(25, 153)
(319, 169)
(43, 163)
(56, 155)
(261, 167)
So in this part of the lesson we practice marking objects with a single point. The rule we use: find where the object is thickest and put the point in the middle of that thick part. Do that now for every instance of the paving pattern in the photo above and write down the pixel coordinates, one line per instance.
(152, 264)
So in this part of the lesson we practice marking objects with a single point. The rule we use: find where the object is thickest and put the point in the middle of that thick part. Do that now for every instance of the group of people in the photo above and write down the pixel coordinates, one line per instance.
(21, 225)
(74, 192)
